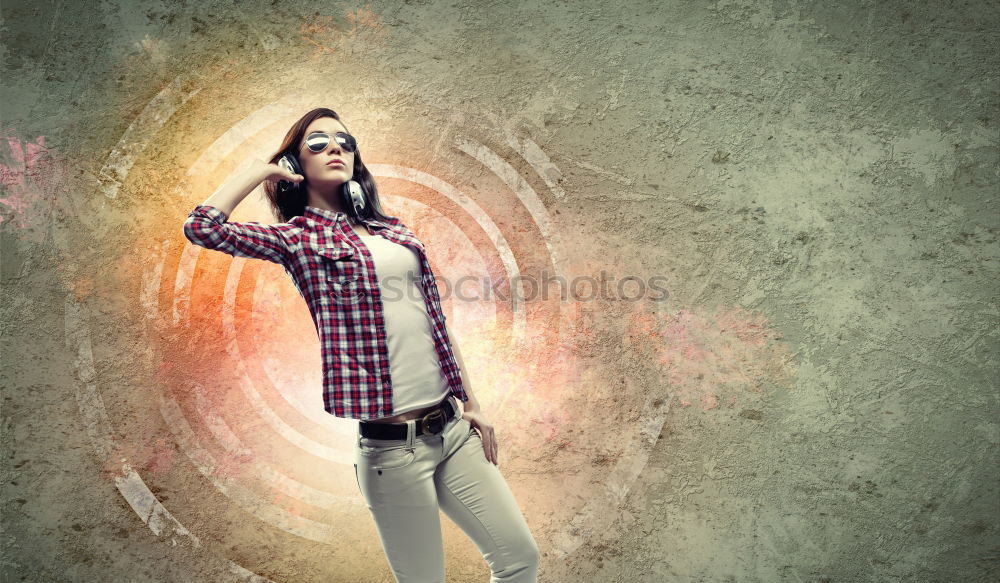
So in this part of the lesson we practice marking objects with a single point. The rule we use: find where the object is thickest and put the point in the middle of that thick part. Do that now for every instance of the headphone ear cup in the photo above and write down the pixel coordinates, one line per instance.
(291, 163)
(354, 197)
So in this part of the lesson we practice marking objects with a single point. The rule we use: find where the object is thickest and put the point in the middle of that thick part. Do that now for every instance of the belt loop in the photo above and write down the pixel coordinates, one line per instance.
(411, 429)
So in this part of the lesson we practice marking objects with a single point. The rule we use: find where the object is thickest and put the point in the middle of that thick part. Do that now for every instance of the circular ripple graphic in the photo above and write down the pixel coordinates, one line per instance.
(250, 419)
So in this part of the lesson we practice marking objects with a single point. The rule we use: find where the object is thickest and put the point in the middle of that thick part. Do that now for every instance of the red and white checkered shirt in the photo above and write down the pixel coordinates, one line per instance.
(335, 274)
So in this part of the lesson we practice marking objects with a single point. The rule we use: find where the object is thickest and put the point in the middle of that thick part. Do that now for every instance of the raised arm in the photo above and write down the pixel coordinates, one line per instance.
(208, 224)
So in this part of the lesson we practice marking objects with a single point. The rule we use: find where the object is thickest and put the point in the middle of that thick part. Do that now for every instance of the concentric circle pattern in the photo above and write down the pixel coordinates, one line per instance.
(245, 409)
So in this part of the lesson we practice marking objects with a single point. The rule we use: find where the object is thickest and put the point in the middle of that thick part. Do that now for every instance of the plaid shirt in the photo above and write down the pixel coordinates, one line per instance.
(335, 274)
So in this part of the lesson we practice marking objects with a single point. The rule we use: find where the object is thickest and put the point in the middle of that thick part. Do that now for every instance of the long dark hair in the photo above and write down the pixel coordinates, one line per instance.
(293, 203)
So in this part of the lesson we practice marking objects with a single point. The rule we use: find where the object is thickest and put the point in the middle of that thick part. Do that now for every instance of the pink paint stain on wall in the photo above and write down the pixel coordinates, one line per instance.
(18, 176)
(36, 196)
(716, 358)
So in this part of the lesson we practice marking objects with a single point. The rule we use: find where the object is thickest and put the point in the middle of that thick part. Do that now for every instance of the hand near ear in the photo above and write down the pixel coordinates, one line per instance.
(276, 173)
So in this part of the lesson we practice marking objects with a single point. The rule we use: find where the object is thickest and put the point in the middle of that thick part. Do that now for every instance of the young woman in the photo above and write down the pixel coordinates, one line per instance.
(388, 359)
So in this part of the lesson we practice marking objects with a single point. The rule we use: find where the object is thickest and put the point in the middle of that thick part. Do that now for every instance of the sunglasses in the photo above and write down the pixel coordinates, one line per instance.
(318, 141)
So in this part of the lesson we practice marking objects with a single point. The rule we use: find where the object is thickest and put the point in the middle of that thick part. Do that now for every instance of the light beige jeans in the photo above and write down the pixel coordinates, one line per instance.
(406, 481)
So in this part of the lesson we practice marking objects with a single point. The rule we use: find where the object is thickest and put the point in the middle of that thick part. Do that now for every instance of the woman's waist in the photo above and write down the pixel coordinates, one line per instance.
(408, 415)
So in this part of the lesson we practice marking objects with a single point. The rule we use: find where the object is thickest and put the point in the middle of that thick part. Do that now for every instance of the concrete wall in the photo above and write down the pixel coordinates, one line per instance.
(815, 400)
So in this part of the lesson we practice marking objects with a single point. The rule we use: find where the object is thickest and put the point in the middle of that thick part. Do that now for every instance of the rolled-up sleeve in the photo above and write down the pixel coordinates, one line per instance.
(208, 227)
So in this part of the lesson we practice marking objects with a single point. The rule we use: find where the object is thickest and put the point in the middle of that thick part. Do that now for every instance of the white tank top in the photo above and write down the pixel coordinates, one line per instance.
(417, 378)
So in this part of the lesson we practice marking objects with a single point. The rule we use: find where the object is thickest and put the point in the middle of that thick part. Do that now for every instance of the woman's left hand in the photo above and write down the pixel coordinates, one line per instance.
(479, 421)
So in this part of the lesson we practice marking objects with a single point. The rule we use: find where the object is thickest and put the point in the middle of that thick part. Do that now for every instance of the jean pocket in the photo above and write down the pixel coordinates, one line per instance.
(379, 458)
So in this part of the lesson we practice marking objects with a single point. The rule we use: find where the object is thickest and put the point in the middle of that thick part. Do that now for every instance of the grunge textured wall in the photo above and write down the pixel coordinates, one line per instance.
(788, 210)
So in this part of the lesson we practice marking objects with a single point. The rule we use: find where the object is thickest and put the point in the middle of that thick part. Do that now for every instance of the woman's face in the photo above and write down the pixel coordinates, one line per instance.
(322, 170)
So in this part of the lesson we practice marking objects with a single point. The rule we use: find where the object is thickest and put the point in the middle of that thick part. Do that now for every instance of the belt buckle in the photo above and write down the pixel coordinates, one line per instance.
(432, 422)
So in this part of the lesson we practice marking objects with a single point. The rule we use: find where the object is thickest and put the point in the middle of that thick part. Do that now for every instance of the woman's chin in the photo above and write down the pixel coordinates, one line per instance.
(330, 180)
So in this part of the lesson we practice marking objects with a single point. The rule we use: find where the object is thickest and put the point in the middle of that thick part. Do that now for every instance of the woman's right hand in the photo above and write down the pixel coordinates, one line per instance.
(276, 173)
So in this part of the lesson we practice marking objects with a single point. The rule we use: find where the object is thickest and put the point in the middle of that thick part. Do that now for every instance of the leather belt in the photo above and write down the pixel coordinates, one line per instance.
(431, 423)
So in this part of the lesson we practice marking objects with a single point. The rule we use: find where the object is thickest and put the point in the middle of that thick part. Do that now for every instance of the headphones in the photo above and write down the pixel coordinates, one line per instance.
(352, 195)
